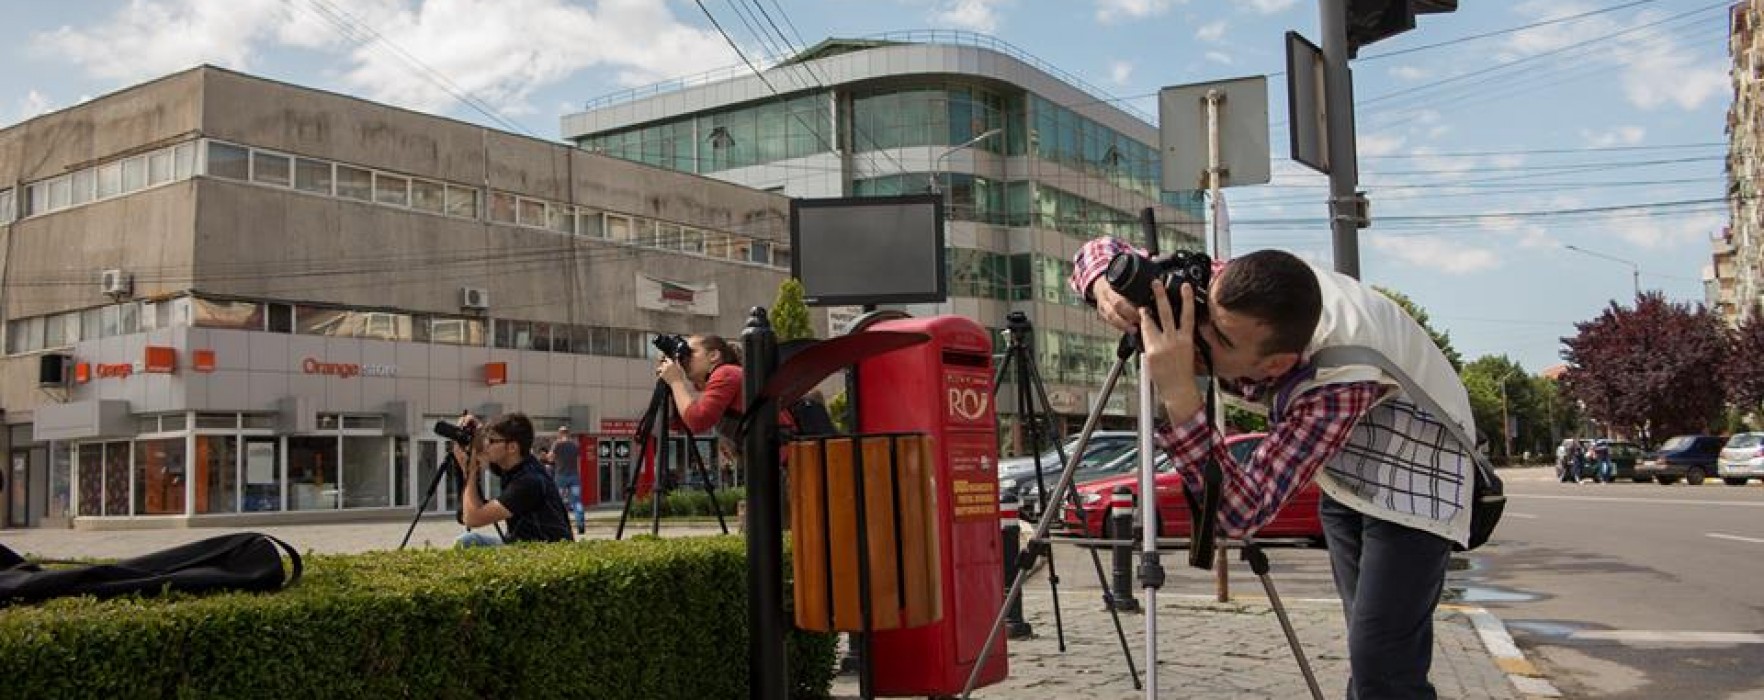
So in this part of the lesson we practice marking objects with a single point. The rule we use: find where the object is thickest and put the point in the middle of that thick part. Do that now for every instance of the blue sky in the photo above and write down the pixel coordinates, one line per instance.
(1485, 151)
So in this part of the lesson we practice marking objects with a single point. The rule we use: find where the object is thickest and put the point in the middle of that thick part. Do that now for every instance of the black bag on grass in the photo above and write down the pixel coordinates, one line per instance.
(246, 561)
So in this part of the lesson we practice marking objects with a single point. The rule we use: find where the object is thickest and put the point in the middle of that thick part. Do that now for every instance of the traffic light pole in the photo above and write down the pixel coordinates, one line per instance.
(1344, 169)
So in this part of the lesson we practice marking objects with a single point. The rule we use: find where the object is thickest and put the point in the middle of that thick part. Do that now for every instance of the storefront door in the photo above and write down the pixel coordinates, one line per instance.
(18, 491)
(430, 454)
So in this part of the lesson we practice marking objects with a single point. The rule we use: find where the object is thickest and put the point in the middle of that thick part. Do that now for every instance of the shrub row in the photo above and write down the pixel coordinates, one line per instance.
(644, 618)
(691, 502)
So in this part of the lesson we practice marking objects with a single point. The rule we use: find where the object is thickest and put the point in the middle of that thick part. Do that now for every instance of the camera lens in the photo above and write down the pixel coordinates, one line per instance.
(1130, 276)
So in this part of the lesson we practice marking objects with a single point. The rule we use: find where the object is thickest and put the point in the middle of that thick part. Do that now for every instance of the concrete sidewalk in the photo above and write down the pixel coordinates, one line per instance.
(1206, 649)
(1225, 651)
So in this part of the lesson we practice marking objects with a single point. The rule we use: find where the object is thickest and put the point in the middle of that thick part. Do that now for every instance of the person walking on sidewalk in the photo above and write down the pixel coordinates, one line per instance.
(566, 468)
(1397, 488)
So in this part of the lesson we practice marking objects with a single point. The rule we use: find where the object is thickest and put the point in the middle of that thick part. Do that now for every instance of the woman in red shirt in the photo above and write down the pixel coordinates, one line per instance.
(707, 387)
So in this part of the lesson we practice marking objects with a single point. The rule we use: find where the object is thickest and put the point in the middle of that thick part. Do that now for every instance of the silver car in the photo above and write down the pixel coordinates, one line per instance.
(1741, 459)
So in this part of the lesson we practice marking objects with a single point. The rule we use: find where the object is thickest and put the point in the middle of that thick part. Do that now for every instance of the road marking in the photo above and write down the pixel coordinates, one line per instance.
(1735, 538)
(1669, 637)
(1609, 499)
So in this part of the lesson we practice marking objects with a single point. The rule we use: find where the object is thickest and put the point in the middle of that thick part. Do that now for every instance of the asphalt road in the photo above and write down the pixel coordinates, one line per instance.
(1615, 590)
(1630, 590)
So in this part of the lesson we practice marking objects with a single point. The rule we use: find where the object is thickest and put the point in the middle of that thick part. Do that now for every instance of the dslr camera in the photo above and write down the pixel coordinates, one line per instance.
(463, 436)
(673, 347)
(1131, 276)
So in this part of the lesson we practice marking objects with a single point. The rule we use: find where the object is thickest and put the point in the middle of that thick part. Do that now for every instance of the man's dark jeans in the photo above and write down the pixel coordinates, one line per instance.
(1389, 578)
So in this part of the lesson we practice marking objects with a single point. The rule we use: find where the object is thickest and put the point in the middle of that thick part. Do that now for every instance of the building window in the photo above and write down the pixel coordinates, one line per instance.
(224, 160)
(502, 207)
(85, 186)
(532, 212)
(8, 210)
(312, 176)
(159, 476)
(217, 469)
(428, 196)
(312, 472)
(591, 224)
(561, 219)
(110, 183)
(159, 168)
(355, 183)
(392, 190)
(462, 202)
(271, 169)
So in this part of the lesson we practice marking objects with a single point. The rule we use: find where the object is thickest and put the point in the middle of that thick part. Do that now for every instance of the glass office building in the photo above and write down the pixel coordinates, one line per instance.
(1032, 162)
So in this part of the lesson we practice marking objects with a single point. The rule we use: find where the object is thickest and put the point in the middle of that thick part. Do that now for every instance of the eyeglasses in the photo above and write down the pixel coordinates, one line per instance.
(495, 440)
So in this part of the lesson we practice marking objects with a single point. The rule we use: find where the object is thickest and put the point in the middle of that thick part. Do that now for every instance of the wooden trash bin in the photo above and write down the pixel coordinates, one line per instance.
(836, 516)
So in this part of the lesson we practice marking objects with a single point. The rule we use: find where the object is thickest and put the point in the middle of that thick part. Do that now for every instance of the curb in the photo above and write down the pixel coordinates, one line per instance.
(1525, 677)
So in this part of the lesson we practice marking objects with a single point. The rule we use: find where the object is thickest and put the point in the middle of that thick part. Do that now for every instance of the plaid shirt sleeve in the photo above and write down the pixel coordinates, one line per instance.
(1090, 262)
(1314, 428)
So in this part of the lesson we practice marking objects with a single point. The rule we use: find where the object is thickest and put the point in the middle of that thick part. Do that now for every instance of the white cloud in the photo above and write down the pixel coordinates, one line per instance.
(1379, 144)
(1655, 68)
(1448, 255)
(1527, 236)
(34, 104)
(1269, 7)
(1410, 72)
(978, 15)
(1110, 11)
(1614, 136)
(1211, 32)
(1218, 57)
(498, 52)
(1120, 72)
(1660, 233)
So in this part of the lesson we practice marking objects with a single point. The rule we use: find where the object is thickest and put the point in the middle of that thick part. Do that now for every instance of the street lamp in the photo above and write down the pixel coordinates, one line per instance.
(1634, 270)
(1506, 423)
(937, 163)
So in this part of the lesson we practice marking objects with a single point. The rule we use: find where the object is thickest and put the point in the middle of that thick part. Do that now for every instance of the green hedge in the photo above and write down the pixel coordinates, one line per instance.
(690, 502)
(642, 618)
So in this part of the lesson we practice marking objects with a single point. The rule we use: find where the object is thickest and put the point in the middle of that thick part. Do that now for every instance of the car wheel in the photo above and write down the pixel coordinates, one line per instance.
(1694, 476)
(1734, 480)
(1665, 480)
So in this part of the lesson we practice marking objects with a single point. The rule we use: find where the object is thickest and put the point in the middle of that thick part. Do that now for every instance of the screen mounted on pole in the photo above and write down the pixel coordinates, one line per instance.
(868, 250)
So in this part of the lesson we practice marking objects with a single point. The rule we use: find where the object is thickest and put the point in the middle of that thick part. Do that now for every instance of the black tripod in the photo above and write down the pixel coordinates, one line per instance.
(447, 468)
(1034, 411)
(656, 420)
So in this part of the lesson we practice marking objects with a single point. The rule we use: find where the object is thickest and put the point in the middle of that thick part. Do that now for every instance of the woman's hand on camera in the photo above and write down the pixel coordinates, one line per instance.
(1114, 308)
(670, 371)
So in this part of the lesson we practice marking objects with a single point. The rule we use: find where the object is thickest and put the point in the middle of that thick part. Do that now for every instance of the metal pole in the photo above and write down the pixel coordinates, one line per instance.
(1151, 572)
(1344, 170)
(767, 674)
(1221, 237)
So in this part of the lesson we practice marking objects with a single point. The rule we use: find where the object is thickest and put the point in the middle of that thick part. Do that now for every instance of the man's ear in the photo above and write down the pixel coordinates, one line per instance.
(1278, 364)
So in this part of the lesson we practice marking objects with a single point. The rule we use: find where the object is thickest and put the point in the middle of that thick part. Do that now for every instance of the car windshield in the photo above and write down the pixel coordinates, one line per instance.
(1744, 440)
(1678, 443)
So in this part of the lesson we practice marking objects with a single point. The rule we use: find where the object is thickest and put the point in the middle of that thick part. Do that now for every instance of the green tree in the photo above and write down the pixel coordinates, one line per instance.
(1442, 340)
(1743, 374)
(790, 316)
(1497, 385)
(1651, 370)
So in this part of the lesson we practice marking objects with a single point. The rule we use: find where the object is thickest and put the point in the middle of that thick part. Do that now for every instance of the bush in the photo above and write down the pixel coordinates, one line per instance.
(683, 502)
(642, 618)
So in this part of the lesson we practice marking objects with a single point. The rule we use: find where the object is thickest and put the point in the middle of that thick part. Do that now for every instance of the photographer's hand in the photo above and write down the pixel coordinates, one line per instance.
(1114, 309)
(670, 372)
(1170, 351)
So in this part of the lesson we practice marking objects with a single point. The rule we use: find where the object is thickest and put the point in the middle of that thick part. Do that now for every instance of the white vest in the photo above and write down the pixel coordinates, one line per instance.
(1400, 464)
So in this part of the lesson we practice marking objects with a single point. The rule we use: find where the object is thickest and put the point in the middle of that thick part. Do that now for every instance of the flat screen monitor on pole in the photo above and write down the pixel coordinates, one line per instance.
(868, 250)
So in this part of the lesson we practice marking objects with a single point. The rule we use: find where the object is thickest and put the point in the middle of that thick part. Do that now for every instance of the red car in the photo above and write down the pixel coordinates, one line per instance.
(1298, 518)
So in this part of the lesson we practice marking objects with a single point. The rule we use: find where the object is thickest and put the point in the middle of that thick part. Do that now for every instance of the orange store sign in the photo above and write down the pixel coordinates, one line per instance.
(345, 370)
(120, 370)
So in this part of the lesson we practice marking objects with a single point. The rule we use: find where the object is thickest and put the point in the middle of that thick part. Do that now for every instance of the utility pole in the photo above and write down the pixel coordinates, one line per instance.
(1344, 168)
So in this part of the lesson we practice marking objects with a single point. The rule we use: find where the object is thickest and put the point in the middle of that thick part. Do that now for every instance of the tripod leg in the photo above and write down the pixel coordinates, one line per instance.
(710, 490)
(428, 497)
(644, 426)
(1034, 382)
(1038, 541)
(658, 488)
(1032, 421)
(1258, 562)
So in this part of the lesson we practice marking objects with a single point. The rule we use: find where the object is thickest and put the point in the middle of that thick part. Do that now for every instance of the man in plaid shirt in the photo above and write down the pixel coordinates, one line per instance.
(1263, 310)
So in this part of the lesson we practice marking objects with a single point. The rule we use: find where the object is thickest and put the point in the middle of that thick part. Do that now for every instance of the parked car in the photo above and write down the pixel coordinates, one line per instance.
(1741, 459)
(1691, 457)
(1108, 461)
(1624, 455)
(1298, 518)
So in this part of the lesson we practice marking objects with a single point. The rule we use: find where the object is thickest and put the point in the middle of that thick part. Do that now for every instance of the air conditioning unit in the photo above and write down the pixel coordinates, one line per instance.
(52, 370)
(474, 298)
(116, 283)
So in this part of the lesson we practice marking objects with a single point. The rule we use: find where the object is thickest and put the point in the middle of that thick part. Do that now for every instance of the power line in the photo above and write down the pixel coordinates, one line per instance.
(1509, 30)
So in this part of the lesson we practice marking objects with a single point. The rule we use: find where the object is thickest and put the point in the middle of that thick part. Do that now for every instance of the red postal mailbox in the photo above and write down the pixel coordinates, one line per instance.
(944, 388)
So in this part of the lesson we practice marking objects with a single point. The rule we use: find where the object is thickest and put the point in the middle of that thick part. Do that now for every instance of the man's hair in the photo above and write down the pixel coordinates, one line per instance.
(516, 427)
(1276, 288)
(716, 343)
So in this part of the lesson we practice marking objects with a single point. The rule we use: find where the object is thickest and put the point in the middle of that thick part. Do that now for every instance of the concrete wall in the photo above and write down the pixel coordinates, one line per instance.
(137, 118)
